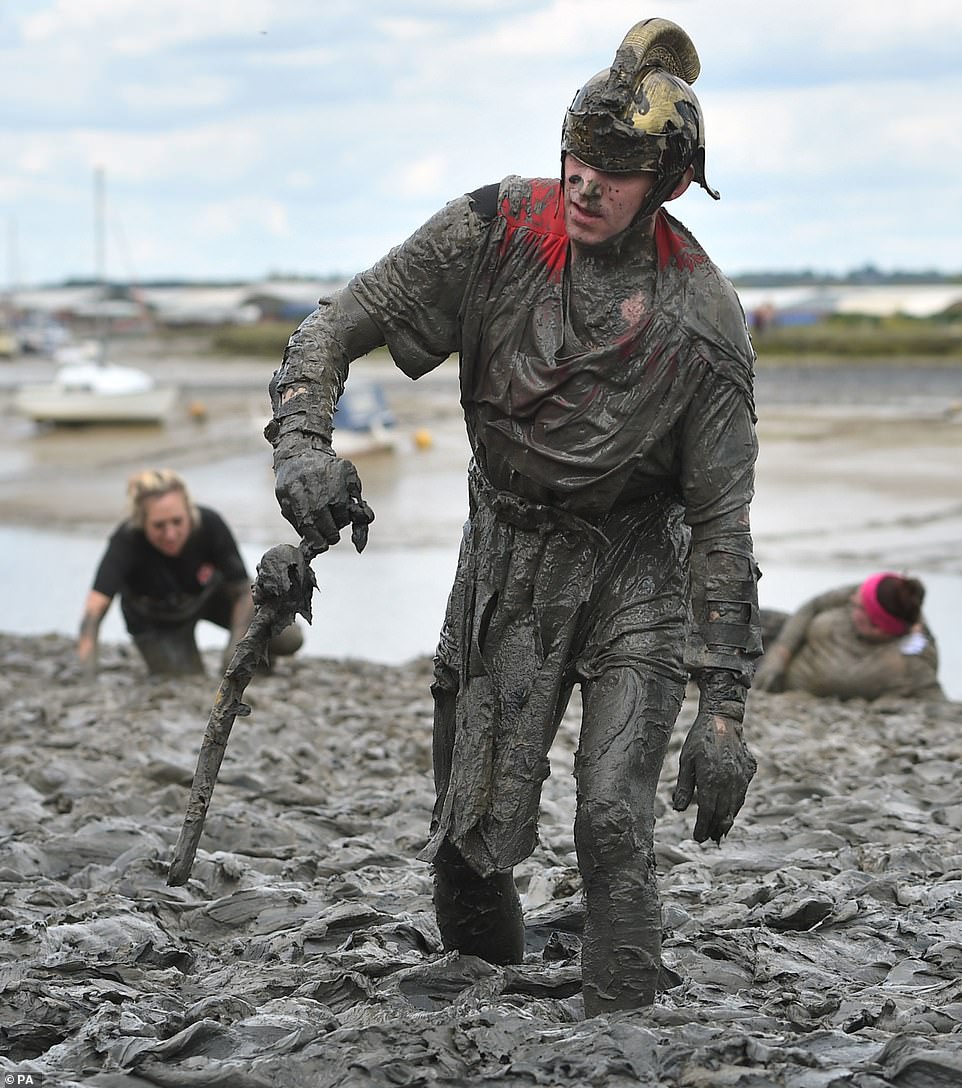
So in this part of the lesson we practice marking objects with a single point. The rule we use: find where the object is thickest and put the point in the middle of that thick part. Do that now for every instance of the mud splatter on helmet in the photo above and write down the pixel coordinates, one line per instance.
(641, 113)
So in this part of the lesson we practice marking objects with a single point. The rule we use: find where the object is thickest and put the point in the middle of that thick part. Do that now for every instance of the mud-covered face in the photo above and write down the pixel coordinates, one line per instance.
(167, 523)
(599, 205)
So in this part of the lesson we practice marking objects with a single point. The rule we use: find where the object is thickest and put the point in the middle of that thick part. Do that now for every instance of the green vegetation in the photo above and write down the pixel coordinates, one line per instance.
(266, 338)
(851, 337)
(842, 338)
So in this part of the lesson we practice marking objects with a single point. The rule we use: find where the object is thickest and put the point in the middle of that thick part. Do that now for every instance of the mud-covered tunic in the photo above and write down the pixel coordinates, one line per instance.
(596, 467)
(665, 408)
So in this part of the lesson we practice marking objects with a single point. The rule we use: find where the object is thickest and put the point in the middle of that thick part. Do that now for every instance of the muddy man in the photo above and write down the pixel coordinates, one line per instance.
(606, 380)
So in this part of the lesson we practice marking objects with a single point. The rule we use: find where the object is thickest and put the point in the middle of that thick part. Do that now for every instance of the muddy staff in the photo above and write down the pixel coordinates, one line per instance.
(606, 379)
(283, 589)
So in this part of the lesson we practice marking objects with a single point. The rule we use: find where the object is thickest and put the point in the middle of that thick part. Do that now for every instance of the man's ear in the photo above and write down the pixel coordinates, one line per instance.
(682, 184)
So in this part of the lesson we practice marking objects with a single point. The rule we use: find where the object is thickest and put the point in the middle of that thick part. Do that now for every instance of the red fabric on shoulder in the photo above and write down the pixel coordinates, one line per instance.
(671, 246)
(541, 218)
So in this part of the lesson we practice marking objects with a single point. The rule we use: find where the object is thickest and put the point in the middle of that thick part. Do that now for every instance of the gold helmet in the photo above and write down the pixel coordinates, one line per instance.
(641, 113)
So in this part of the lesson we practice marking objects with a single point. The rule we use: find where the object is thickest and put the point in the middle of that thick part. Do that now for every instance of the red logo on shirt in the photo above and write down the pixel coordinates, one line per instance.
(204, 573)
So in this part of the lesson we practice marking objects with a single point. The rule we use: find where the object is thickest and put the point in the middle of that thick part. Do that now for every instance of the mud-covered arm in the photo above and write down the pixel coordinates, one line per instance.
(410, 300)
(318, 492)
(790, 638)
(306, 386)
(922, 666)
(95, 608)
(113, 572)
(719, 449)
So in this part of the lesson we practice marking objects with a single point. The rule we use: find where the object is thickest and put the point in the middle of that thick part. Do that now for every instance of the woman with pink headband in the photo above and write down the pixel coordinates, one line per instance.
(857, 642)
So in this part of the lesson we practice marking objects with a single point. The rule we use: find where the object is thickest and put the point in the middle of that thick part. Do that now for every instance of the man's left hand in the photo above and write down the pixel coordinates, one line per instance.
(715, 768)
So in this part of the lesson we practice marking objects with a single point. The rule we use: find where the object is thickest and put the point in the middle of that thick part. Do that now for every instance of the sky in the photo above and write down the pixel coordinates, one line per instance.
(239, 139)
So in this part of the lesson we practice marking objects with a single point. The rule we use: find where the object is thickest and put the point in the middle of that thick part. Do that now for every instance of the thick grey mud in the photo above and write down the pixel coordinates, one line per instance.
(820, 945)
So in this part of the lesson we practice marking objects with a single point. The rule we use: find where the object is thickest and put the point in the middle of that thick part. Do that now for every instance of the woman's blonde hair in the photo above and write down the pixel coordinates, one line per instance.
(152, 483)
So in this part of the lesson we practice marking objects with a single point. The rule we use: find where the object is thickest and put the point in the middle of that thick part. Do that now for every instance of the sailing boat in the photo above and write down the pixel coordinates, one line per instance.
(88, 389)
(96, 392)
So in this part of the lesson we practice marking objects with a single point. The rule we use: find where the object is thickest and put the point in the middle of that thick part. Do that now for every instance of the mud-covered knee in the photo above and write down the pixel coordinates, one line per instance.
(606, 835)
(171, 653)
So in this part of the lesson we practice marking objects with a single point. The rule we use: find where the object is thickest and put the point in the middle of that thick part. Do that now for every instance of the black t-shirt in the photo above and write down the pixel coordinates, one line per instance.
(155, 588)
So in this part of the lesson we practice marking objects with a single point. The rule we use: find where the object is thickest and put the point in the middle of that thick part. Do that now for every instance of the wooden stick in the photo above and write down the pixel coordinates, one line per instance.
(285, 583)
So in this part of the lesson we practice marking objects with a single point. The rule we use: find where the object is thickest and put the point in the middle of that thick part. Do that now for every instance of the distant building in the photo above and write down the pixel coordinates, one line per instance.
(185, 305)
(772, 307)
(177, 305)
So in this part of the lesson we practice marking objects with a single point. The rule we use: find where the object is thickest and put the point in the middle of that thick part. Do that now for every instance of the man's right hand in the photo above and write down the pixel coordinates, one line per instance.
(319, 493)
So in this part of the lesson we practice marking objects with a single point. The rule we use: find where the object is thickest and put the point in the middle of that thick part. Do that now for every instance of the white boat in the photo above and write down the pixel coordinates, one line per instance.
(86, 392)
(86, 388)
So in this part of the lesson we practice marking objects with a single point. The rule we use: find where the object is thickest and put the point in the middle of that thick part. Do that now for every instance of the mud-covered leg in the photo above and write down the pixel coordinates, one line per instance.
(627, 720)
(170, 652)
(477, 916)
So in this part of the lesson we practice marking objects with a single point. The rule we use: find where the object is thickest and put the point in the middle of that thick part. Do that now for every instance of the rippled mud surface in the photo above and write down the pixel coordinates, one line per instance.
(819, 946)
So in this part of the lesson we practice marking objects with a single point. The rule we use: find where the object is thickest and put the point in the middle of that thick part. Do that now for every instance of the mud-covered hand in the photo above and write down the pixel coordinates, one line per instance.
(319, 494)
(715, 768)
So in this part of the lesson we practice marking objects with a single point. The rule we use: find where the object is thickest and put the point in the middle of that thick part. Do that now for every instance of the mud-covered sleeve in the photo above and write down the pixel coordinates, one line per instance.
(718, 452)
(795, 629)
(305, 388)
(415, 293)
(409, 300)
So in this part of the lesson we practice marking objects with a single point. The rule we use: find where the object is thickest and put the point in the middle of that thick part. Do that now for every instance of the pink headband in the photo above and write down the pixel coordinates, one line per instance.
(884, 621)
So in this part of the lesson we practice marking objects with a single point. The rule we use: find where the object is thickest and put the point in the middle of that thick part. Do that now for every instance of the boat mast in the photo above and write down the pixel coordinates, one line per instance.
(9, 302)
(100, 259)
(100, 247)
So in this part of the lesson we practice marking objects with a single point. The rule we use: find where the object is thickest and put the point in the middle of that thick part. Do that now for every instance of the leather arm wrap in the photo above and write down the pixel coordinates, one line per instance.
(724, 693)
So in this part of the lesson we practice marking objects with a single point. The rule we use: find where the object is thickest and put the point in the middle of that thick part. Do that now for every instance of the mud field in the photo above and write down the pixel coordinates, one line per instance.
(819, 946)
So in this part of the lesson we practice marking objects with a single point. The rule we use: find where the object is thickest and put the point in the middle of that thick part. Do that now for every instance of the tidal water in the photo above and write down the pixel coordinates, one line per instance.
(385, 605)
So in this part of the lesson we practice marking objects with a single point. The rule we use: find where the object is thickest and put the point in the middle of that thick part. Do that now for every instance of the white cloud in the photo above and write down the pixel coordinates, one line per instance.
(423, 176)
(313, 57)
(220, 219)
(299, 179)
(198, 92)
(299, 132)
(136, 29)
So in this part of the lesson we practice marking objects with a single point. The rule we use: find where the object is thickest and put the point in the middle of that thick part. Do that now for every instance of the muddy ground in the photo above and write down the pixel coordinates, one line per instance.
(819, 946)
